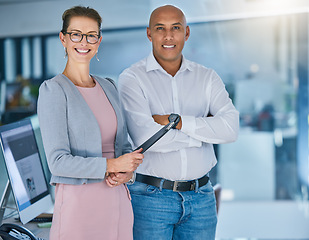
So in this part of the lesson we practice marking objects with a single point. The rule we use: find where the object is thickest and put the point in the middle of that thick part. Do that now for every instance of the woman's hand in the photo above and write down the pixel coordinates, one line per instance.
(116, 179)
(125, 163)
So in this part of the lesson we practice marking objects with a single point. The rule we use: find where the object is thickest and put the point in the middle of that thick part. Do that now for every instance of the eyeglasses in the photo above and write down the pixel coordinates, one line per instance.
(78, 37)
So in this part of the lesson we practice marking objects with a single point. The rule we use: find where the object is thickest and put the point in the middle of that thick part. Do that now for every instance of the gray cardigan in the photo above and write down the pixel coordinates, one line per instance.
(70, 132)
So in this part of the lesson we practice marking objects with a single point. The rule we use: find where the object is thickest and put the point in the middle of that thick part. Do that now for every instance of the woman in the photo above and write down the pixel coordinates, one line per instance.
(84, 137)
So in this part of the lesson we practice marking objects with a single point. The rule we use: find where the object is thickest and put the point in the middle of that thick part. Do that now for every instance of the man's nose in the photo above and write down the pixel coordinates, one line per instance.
(169, 35)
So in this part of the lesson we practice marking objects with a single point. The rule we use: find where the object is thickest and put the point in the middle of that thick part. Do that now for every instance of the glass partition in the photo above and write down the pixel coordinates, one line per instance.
(257, 60)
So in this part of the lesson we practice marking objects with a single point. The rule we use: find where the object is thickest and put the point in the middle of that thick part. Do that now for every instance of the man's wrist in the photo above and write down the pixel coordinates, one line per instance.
(176, 119)
(132, 180)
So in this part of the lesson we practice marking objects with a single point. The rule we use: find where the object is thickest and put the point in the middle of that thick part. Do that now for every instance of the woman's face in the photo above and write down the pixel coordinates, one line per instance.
(83, 51)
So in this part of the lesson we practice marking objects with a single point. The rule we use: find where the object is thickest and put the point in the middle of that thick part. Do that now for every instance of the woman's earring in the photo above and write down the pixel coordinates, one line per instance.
(96, 56)
(65, 53)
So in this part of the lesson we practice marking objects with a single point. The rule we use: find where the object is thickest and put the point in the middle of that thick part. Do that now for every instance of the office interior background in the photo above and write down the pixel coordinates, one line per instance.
(260, 50)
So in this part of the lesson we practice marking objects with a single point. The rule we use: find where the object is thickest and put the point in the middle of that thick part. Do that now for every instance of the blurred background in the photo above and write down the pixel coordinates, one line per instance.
(258, 47)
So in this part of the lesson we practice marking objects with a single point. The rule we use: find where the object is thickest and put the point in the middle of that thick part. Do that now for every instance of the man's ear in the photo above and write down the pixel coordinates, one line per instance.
(149, 34)
(187, 33)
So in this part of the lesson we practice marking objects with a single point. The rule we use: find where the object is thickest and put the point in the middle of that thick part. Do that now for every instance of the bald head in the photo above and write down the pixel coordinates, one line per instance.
(166, 10)
(168, 32)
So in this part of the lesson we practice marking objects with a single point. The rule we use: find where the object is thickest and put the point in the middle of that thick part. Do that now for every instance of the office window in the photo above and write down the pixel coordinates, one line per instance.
(9, 60)
(26, 58)
(37, 58)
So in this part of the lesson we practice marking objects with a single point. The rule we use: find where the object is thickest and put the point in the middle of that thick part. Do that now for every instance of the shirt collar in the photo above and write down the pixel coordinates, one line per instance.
(152, 64)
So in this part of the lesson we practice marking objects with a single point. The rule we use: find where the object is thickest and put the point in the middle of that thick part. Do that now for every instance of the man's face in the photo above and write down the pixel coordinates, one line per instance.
(168, 32)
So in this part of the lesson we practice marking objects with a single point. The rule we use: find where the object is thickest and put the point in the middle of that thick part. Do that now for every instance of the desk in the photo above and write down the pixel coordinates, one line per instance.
(33, 227)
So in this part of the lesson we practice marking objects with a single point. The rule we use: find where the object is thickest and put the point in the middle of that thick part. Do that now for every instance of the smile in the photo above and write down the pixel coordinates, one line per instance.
(82, 50)
(169, 46)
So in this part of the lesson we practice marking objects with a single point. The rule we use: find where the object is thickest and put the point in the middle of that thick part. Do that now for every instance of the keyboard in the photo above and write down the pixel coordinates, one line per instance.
(42, 219)
(39, 219)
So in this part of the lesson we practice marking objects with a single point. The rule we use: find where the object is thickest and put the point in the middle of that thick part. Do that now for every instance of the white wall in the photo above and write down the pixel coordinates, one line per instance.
(44, 17)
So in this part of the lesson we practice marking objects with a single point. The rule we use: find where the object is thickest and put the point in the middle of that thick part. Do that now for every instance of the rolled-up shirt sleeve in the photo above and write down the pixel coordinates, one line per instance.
(222, 123)
(139, 119)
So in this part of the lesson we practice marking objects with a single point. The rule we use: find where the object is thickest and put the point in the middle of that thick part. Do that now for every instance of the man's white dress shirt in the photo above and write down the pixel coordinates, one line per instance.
(194, 92)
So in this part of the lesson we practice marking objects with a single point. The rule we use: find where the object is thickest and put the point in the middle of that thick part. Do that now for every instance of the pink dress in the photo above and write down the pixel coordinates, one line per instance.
(94, 211)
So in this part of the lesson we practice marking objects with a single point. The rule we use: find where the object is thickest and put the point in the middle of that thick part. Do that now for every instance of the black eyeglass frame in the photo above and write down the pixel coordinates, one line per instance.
(83, 34)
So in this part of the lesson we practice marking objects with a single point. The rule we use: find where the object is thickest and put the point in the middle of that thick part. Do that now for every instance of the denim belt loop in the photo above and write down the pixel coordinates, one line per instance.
(161, 184)
(196, 185)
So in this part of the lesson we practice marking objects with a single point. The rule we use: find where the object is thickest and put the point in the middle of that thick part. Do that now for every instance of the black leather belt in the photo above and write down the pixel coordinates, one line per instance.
(176, 186)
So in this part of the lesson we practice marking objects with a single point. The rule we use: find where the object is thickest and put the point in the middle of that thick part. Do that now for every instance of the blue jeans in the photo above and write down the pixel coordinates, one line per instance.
(162, 214)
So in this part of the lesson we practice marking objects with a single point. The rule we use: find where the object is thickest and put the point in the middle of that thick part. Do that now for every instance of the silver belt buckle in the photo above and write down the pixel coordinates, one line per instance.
(176, 185)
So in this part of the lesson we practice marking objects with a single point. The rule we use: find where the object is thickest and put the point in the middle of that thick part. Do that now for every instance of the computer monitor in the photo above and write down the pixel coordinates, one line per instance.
(25, 171)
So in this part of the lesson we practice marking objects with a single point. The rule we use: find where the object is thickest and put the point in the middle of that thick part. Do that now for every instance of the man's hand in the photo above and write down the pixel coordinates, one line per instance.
(116, 179)
(163, 120)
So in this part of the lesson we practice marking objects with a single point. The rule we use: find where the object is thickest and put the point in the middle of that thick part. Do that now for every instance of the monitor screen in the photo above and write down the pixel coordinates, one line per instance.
(25, 171)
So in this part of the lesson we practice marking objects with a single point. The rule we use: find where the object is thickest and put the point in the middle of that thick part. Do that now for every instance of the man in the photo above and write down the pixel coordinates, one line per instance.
(172, 196)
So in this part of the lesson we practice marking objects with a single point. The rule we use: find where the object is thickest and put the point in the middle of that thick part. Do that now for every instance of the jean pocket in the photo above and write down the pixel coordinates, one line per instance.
(142, 189)
(206, 189)
(151, 189)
